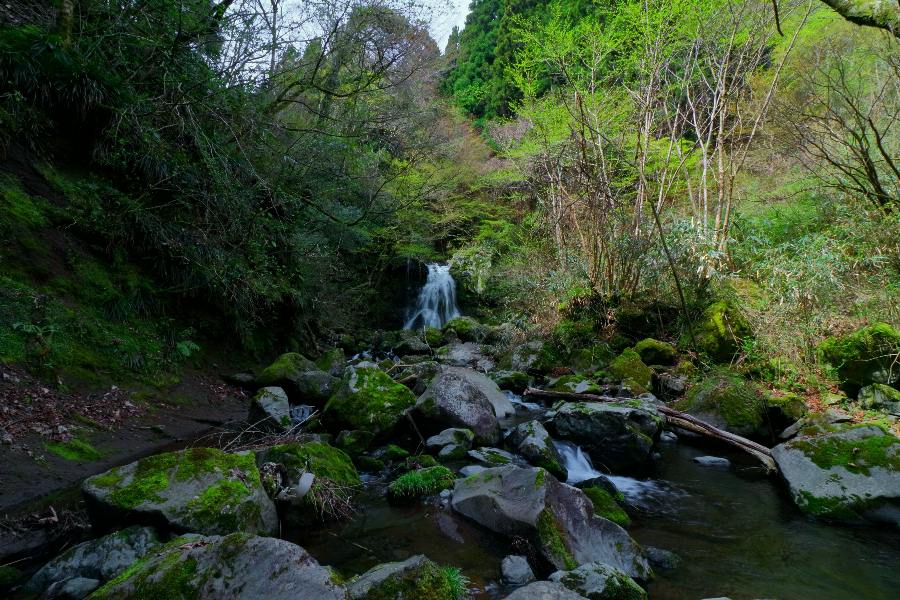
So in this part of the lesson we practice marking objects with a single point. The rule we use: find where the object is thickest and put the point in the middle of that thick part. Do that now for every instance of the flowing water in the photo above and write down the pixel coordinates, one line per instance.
(436, 303)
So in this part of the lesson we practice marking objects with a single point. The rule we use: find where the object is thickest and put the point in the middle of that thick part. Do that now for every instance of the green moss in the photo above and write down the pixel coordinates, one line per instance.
(354, 442)
(319, 459)
(467, 329)
(430, 582)
(606, 506)
(370, 400)
(552, 539)
(421, 482)
(575, 384)
(740, 403)
(175, 577)
(855, 455)
(420, 461)
(285, 368)
(215, 508)
(834, 507)
(719, 333)
(18, 210)
(370, 464)
(631, 370)
(74, 449)
(9, 576)
(655, 352)
(395, 452)
(863, 357)
(585, 360)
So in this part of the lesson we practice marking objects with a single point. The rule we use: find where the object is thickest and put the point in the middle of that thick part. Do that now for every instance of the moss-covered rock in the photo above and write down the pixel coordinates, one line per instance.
(421, 482)
(235, 566)
(304, 382)
(319, 459)
(591, 358)
(416, 578)
(369, 400)
(631, 370)
(576, 384)
(880, 397)
(533, 443)
(333, 362)
(727, 400)
(199, 489)
(514, 381)
(467, 329)
(370, 464)
(720, 332)
(655, 352)
(354, 442)
(607, 506)
(598, 581)
(848, 473)
(863, 357)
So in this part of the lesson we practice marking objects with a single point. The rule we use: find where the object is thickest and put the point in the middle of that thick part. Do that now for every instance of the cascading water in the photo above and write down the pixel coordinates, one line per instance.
(436, 303)
(580, 468)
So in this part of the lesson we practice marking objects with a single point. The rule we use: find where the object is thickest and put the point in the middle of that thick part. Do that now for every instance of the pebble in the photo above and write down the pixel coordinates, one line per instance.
(712, 461)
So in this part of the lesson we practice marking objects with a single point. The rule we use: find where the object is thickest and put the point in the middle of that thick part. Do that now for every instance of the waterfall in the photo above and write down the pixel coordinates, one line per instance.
(436, 303)
(577, 463)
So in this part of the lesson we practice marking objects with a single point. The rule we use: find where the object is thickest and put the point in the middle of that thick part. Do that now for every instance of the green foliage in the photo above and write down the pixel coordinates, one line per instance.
(74, 449)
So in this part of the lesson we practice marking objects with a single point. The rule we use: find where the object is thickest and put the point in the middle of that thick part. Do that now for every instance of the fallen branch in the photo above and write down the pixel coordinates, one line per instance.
(677, 419)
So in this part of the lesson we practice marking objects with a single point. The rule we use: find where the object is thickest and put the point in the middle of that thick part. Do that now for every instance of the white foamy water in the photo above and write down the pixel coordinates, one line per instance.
(436, 303)
(639, 492)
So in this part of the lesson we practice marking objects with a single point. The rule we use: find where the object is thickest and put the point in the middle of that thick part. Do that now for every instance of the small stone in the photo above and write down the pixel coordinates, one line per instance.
(470, 470)
(515, 570)
(668, 437)
(712, 461)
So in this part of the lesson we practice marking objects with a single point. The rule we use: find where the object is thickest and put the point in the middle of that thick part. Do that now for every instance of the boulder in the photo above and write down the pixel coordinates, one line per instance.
(235, 567)
(300, 377)
(598, 581)
(655, 352)
(575, 384)
(533, 443)
(514, 381)
(617, 435)
(270, 410)
(631, 371)
(850, 473)
(417, 376)
(465, 354)
(454, 400)
(94, 561)
(412, 344)
(864, 357)
(73, 588)
(515, 570)
(726, 400)
(466, 329)
(500, 402)
(720, 332)
(557, 518)
(369, 400)
(672, 385)
(199, 489)
(333, 362)
(495, 457)
(525, 357)
(878, 396)
(414, 578)
(451, 443)
(544, 590)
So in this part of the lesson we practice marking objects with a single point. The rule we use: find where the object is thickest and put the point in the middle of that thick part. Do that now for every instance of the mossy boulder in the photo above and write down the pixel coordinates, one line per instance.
(304, 382)
(631, 370)
(354, 442)
(421, 482)
(849, 473)
(333, 362)
(558, 519)
(655, 352)
(200, 489)
(720, 331)
(416, 578)
(320, 459)
(238, 566)
(466, 329)
(598, 581)
(728, 401)
(514, 381)
(866, 356)
(591, 358)
(368, 400)
(458, 399)
(880, 397)
(270, 410)
(534, 444)
(575, 384)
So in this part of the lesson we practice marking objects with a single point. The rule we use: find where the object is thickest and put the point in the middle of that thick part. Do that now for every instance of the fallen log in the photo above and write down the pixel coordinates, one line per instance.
(677, 419)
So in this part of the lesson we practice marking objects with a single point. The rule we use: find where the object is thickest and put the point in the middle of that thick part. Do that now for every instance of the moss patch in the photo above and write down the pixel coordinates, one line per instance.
(863, 357)
(370, 400)
(655, 352)
(174, 577)
(431, 582)
(606, 506)
(319, 459)
(577, 384)
(552, 539)
(421, 482)
(740, 403)
(74, 449)
(720, 331)
(855, 455)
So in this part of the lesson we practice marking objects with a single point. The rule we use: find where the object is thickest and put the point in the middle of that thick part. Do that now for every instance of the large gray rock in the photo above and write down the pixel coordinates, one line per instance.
(515, 570)
(415, 577)
(465, 354)
(238, 566)
(532, 441)
(199, 489)
(304, 382)
(526, 356)
(880, 397)
(618, 435)
(270, 410)
(97, 560)
(544, 590)
(847, 474)
(503, 407)
(73, 588)
(598, 581)
(451, 443)
(559, 519)
(453, 400)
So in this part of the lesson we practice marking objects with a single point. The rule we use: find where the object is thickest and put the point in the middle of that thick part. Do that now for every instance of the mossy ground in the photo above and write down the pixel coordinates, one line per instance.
(319, 459)
(720, 332)
(74, 449)
(421, 482)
